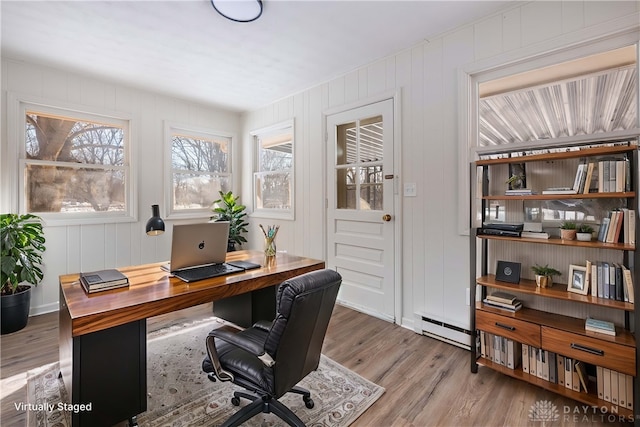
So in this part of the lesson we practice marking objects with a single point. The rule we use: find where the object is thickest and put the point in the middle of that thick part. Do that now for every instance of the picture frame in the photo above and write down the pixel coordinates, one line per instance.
(578, 280)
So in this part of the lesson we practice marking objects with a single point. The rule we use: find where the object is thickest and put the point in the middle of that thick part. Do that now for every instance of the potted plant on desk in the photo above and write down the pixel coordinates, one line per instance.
(544, 275)
(22, 240)
(227, 208)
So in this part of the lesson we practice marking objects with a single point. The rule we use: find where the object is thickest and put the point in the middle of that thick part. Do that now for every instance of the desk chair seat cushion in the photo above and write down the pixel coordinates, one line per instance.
(239, 362)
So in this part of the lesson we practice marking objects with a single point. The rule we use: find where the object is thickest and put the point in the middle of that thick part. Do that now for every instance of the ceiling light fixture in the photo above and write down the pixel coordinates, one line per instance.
(238, 10)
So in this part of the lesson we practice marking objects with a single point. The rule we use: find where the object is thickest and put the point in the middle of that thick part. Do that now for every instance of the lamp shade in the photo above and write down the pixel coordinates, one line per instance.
(155, 225)
(238, 10)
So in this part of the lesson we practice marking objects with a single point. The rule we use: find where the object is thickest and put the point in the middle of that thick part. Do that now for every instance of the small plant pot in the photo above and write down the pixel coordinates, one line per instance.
(584, 237)
(568, 234)
(544, 281)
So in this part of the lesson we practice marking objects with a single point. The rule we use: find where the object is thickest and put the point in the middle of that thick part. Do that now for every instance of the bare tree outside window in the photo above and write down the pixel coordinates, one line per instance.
(74, 165)
(200, 169)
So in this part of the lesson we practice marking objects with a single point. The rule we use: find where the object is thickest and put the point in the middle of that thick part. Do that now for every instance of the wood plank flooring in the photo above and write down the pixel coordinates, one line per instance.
(427, 382)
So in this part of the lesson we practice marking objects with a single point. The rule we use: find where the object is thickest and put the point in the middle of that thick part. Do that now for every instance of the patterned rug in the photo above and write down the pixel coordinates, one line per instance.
(180, 394)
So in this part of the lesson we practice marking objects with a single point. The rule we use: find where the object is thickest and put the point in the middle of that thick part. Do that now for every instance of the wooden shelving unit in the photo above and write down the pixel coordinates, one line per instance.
(557, 332)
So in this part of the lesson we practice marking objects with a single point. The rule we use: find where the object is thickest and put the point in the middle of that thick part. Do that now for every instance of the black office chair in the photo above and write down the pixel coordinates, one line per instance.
(270, 358)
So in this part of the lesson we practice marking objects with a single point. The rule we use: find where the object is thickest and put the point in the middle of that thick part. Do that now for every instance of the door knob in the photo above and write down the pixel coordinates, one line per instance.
(386, 217)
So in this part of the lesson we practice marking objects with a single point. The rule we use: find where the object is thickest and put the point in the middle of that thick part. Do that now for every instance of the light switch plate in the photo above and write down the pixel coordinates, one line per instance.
(410, 189)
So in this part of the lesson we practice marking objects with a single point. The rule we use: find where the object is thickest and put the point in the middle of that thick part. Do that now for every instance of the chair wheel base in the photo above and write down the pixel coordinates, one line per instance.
(308, 402)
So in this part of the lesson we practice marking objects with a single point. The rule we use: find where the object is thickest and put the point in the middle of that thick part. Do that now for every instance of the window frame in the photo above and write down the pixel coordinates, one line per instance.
(16, 125)
(287, 126)
(197, 132)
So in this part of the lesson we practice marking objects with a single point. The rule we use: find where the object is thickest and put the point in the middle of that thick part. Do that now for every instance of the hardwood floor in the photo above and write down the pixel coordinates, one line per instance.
(427, 382)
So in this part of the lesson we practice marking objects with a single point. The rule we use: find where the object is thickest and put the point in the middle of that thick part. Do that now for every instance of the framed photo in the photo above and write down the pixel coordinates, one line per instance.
(578, 280)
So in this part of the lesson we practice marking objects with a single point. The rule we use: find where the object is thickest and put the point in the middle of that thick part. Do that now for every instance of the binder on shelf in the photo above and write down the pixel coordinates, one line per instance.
(568, 372)
(525, 358)
(614, 387)
(560, 370)
(622, 390)
(553, 367)
(629, 391)
(599, 382)
(606, 384)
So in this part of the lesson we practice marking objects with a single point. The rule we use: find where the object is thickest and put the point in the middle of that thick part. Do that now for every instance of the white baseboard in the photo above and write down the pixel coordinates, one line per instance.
(443, 331)
(365, 310)
(44, 309)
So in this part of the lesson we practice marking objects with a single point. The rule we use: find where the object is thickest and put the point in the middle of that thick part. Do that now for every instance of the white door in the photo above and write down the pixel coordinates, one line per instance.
(360, 217)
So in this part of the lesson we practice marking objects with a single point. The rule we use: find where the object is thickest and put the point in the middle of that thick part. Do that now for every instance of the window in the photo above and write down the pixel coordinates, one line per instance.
(200, 168)
(74, 165)
(273, 176)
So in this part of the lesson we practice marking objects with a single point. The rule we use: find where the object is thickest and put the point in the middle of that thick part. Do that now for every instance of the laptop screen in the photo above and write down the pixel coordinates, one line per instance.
(193, 245)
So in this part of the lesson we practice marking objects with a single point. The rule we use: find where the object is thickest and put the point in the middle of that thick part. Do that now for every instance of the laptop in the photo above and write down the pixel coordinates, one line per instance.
(198, 252)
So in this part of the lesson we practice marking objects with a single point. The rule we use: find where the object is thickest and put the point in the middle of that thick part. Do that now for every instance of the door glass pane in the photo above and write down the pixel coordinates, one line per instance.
(346, 144)
(360, 144)
(371, 188)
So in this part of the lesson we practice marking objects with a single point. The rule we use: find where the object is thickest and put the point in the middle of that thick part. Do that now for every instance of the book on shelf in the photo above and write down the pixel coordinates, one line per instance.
(535, 234)
(600, 326)
(559, 190)
(628, 284)
(587, 185)
(580, 173)
(502, 297)
(583, 379)
(502, 306)
(103, 280)
(519, 192)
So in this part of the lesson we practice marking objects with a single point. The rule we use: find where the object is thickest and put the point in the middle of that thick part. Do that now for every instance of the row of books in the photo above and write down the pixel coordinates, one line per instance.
(503, 301)
(103, 280)
(614, 387)
(603, 176)
(500, 350)
(610, 280)
(618, 226)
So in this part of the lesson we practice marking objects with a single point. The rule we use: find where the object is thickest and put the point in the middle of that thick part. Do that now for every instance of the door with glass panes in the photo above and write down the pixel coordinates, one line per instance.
(360, 217)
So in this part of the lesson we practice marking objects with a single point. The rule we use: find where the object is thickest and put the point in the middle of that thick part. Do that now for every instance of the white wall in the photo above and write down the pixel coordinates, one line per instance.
(435, 270)
(435, 266)
(92, 247)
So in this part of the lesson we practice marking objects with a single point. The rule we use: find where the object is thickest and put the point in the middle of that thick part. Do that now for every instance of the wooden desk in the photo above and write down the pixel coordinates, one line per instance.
(103, 346)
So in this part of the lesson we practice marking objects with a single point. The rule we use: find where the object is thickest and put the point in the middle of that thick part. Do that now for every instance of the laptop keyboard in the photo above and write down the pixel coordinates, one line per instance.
(206, 272)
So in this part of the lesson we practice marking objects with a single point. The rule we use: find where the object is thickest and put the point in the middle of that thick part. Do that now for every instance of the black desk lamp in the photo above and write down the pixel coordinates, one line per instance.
(155, 225)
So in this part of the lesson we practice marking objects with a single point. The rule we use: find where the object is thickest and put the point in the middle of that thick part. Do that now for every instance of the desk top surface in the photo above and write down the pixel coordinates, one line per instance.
(152, 291)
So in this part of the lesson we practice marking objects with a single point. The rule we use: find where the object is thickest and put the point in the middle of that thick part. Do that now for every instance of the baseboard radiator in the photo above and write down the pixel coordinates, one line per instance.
(442, 331)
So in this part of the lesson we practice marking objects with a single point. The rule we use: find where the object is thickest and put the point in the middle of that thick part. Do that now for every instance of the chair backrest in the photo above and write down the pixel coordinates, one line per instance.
(304, 305)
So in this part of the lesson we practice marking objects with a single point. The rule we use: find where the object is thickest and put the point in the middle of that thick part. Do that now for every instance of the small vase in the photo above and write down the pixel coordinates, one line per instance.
(544, 281)
(269, 247)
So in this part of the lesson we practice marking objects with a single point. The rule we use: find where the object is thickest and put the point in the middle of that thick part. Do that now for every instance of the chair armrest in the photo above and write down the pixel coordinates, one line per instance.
(245, 344)
(264, 325)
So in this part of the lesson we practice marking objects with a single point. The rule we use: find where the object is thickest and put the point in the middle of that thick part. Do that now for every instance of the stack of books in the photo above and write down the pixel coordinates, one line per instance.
(600, 326)
(503, 301)
(103, 280)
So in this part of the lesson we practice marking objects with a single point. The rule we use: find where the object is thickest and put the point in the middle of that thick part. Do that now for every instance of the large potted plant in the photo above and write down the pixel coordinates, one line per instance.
(227, 208)
(22, 240)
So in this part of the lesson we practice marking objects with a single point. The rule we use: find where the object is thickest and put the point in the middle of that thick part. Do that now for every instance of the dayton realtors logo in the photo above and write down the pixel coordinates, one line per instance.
(543, 410)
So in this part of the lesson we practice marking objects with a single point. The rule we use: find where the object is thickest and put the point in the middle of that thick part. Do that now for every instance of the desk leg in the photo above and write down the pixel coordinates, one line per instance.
(246, 309)
(107, 373)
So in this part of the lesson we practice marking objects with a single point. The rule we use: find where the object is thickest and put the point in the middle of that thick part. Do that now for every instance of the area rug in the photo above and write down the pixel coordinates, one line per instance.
(180, 394)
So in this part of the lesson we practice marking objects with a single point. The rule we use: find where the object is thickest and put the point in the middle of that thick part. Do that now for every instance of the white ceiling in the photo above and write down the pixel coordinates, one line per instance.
(185, 49)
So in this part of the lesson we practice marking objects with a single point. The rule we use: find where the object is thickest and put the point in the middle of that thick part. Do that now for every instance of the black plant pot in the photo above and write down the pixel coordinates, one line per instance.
(15, 310)
(231, 246)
